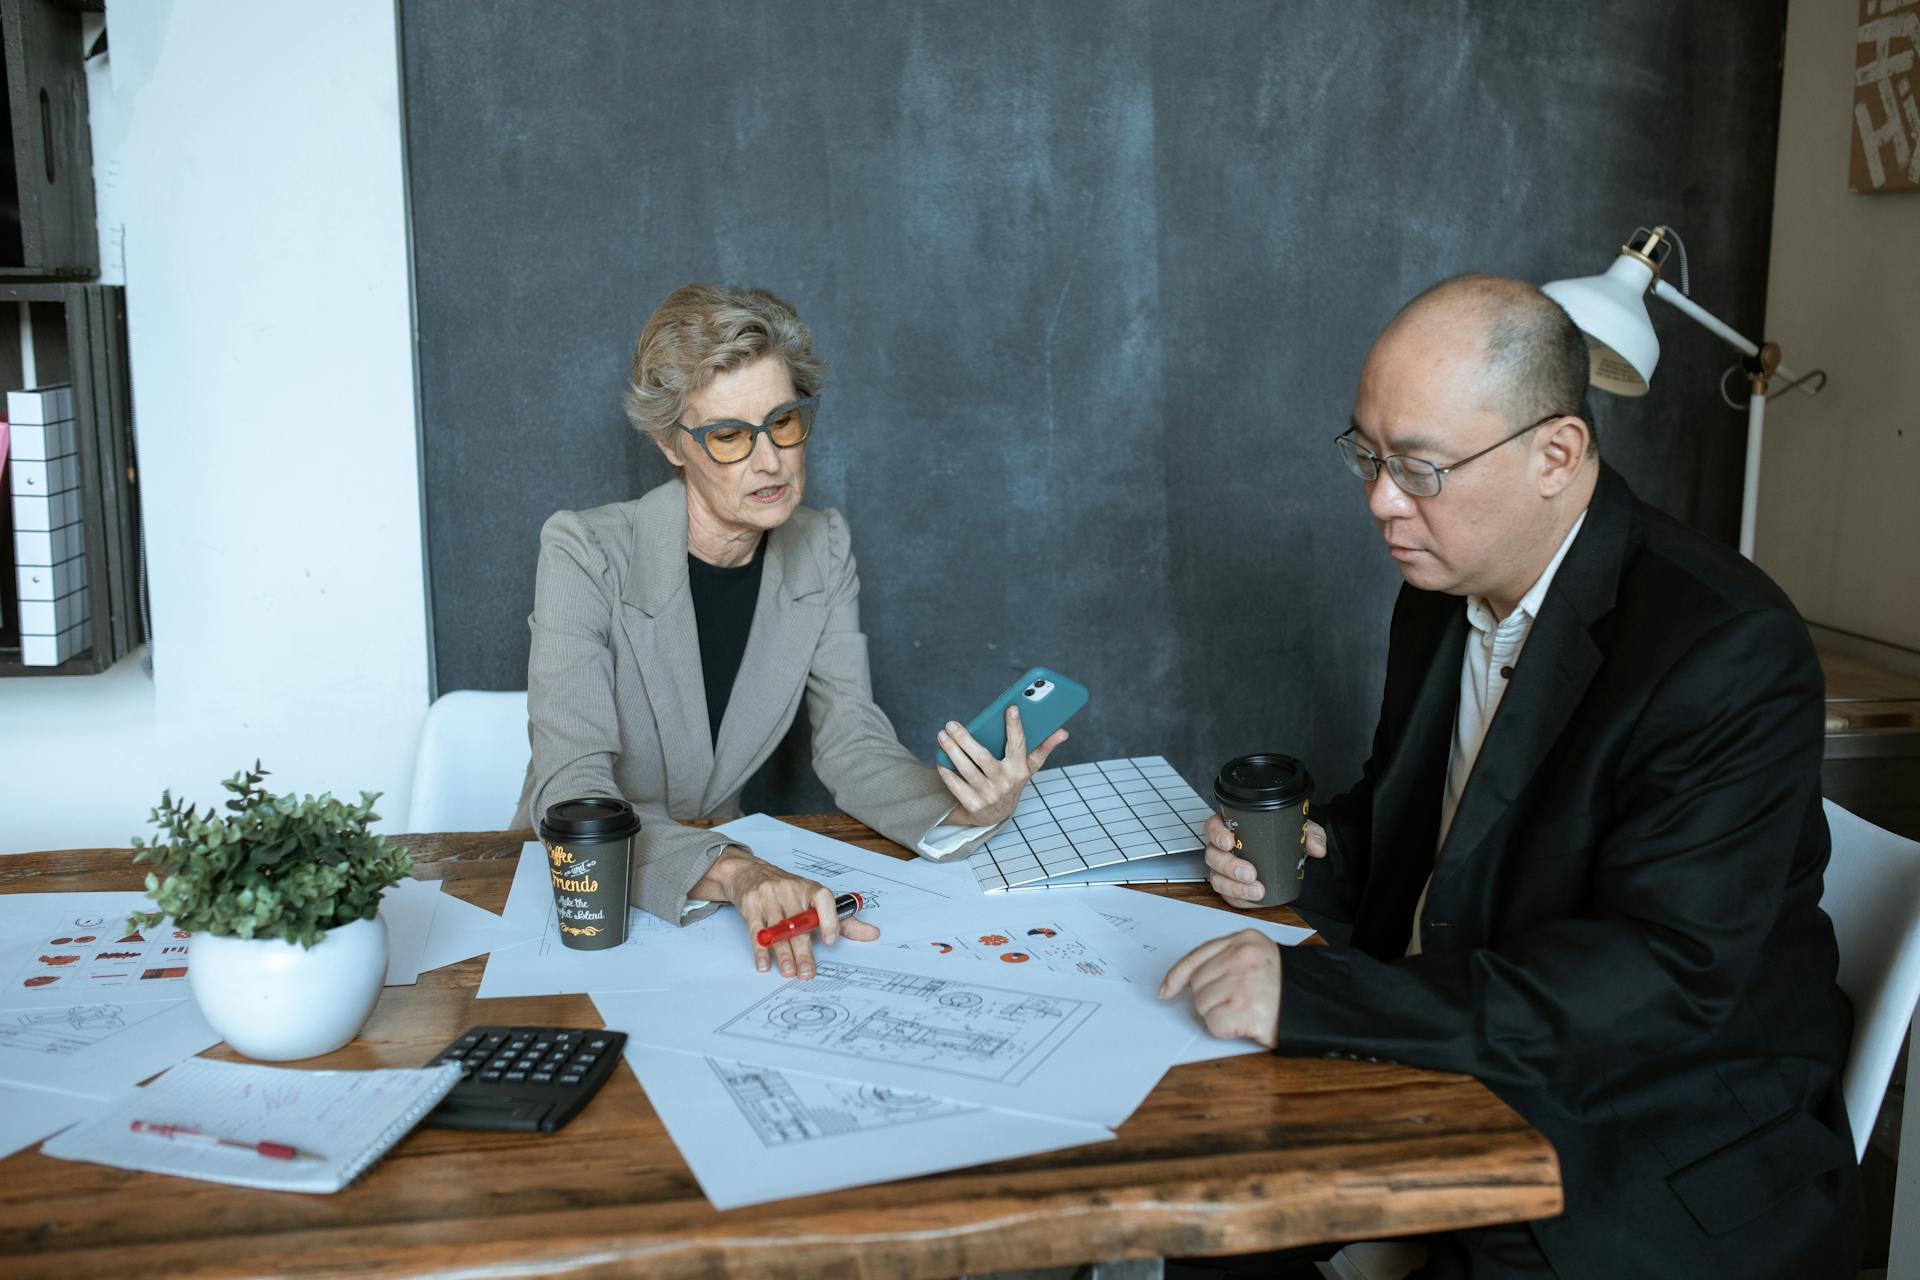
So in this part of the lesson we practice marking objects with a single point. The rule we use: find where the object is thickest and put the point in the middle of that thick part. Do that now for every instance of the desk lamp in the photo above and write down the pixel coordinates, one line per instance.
(1611, 310)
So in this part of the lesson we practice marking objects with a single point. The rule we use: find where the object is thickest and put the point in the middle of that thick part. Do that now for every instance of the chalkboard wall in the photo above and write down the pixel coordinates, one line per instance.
(1095, 281)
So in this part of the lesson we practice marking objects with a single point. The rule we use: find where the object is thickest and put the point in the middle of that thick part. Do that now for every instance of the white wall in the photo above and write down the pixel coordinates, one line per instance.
(248, 166)
(1835, 525)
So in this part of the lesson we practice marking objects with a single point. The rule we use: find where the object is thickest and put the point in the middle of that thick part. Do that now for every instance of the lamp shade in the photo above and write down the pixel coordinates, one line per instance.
(1611, 310)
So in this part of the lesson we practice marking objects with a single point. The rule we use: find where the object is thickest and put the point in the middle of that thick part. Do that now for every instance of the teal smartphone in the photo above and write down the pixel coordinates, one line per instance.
(1046, 700)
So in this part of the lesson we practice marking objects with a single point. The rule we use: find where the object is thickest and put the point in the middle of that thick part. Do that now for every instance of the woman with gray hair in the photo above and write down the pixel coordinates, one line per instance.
(673, 637)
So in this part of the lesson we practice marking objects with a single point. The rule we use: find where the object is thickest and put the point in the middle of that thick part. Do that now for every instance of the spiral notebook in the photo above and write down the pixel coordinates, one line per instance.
(342, 1121)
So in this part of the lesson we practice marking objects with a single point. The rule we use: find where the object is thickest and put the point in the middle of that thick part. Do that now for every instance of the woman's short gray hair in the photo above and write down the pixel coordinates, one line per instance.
(706, 329)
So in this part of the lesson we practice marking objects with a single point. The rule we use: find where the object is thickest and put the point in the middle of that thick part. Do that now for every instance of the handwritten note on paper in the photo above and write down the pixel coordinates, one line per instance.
(345, 1119)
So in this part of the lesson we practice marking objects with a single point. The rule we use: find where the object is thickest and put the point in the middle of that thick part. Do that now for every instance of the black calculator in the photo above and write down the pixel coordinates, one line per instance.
(524, 1079)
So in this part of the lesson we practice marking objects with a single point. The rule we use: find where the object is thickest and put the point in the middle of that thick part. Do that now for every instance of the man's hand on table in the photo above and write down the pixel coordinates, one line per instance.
(1233, 877)
(1236, 986)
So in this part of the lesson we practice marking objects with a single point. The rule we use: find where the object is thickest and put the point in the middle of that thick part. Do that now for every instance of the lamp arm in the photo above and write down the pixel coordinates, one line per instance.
(1712, 323)
(1756, 403)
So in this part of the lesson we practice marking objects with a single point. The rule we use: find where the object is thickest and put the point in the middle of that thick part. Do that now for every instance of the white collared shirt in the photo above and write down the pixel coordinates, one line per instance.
(1492, 653)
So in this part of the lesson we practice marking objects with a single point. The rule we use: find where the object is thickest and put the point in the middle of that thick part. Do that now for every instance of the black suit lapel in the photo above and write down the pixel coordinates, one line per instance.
(1406, 800)
(1555, 667)
(1557, 664)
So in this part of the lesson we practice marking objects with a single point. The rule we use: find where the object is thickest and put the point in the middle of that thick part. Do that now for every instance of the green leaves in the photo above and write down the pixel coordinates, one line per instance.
(270, 867)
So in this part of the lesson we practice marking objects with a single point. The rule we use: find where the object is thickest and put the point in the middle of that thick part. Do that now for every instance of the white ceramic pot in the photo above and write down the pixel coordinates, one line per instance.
(276, 1000)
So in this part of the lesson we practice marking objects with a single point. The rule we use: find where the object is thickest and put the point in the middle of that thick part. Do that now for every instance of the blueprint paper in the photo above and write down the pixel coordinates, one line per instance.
(753, 1134)
(462, 930)
(951, 877)
(1135, 937)
(1069, 1047)
(61, 949)
(1051, 934)
(28, 1115)
(407, 909)
(654, 956)
(657, 955)
(885, 882)
(1164, 929)
(98, 1048)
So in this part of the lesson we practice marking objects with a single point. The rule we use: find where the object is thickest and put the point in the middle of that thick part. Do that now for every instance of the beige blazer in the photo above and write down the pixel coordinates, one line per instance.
(616, 705)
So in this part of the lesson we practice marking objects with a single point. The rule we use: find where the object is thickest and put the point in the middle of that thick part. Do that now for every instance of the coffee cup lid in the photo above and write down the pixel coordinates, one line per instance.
(593, 818)
(1263, 781)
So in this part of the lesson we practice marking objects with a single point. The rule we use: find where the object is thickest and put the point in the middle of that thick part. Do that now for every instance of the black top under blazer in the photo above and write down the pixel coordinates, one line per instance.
(1623, 938)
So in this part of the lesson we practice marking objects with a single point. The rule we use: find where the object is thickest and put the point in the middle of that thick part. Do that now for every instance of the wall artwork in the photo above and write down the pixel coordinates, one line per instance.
(1886, 111)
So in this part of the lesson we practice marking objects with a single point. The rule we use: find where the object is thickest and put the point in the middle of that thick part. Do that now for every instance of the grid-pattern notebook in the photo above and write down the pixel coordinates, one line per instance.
(1098, 823)
(346, 1120)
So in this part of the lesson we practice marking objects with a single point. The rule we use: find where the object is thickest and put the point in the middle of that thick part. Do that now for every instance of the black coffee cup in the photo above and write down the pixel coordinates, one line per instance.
(589, 847)
(1264, 801)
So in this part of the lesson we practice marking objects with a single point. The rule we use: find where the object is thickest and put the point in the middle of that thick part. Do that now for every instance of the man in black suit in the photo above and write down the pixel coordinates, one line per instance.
(1584, 860)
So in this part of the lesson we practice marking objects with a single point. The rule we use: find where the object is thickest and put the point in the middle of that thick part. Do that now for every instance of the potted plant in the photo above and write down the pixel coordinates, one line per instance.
(282, 896)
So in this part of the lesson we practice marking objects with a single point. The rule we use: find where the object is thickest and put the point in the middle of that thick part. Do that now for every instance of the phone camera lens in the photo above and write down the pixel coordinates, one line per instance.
(1028, 694)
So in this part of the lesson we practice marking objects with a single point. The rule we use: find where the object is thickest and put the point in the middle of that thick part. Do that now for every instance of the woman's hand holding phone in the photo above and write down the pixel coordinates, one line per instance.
(987, 789)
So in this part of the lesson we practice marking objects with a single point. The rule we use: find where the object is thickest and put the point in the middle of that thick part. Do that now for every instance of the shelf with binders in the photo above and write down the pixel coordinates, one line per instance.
(70, 573)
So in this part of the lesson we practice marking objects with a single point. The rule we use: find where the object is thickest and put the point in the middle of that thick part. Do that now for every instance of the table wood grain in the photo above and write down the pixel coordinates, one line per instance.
(1239, 1155)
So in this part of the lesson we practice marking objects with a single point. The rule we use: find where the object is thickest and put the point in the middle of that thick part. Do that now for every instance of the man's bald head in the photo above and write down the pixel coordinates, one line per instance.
(1483, 381)
(1533, 361)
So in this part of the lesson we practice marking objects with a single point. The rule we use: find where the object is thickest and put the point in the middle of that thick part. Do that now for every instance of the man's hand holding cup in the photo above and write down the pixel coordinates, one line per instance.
(1233, 877)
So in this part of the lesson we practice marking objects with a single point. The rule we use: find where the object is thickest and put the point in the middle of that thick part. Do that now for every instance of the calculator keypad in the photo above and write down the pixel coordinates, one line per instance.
(523, 1078)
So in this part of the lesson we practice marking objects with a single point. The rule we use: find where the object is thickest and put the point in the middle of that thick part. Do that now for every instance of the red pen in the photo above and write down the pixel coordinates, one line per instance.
(181, 1133)
(843, 906)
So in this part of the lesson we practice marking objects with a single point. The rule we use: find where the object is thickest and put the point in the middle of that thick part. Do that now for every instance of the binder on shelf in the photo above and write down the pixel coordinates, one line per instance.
(48, 530)
(78, 335)
(40, 405)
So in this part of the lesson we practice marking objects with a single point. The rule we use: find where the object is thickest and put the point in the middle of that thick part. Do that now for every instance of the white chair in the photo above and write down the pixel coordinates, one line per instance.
(472, 761)
(1873, 898)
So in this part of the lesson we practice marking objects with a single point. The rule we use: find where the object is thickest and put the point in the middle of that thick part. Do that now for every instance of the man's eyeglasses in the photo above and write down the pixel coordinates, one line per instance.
(729, 440)
(1416, 477)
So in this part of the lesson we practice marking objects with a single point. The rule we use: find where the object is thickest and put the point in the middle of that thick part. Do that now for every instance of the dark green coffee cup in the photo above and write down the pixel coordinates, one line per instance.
(1263, 799)
(589, 847)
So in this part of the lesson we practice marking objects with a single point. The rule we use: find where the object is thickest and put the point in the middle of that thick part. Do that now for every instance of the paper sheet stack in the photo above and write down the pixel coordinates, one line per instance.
(89, 1007)
(977, 1028)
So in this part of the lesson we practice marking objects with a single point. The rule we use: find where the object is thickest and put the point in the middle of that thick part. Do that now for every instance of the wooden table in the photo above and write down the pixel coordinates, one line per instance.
(1239, 1155)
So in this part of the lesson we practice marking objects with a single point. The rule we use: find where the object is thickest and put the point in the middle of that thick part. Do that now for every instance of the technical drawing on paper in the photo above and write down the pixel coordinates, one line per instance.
(873, 887)
(784, 1109)
(93, 952)
(66, 1031)
(1093, 815)
(961, 1028)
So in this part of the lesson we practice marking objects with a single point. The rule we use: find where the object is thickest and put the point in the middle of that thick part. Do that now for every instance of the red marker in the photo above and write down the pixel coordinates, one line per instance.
(843, 906)
(181, 1133)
